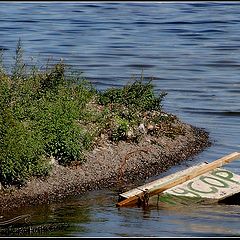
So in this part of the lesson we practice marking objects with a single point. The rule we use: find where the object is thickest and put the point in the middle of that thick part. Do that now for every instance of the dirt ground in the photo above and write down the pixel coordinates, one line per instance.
(109, 166)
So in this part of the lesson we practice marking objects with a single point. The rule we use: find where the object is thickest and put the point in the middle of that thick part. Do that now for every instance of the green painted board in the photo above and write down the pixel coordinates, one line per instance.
(210, 187)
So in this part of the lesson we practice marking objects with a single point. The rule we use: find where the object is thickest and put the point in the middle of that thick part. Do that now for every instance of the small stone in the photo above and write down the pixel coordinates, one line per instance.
(141, 127)
(129, 133)
(150, 127)
(53, 161)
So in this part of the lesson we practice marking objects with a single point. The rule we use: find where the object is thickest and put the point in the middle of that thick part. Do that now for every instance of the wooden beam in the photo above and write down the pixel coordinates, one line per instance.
(181, 179)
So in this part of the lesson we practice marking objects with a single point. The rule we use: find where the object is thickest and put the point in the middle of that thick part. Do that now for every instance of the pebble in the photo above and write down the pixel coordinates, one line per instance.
(141, 127)
(150, 127)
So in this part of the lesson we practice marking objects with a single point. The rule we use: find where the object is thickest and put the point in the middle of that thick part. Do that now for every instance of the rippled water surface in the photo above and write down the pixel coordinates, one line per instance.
(192, 49)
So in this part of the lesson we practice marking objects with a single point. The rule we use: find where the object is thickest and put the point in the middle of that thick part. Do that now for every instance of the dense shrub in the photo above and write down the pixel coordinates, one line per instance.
(39, 114)
(45, 114)
(138, 95)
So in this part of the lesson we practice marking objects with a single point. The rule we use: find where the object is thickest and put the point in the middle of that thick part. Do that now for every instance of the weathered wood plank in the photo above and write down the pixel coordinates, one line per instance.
(159, 182)
(174, 180)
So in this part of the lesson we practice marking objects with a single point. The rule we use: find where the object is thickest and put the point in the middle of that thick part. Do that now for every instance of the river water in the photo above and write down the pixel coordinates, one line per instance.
(191, 49)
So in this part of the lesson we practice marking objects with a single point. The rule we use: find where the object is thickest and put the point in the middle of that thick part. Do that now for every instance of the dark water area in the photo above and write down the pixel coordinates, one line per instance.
(192, 51)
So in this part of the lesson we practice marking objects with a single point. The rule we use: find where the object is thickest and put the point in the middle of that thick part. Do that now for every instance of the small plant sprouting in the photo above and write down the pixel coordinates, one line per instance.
(2, 68)
(18, 70)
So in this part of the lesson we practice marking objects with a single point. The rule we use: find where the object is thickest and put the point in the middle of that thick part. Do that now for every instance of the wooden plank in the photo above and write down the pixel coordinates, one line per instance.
(180, 179)
(158, 183)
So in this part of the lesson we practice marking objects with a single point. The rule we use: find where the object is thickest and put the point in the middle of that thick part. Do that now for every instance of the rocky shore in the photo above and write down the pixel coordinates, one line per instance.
(109, 166)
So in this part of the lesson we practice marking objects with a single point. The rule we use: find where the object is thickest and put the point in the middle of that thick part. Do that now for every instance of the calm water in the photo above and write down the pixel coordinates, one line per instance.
(193, 52)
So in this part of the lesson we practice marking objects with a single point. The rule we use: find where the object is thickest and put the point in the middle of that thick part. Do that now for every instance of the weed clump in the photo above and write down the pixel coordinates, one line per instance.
(44, 114)
(130, 106)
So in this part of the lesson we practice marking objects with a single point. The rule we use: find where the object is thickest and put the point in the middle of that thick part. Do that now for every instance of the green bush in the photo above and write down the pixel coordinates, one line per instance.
(22, 153)
(128, 105)
(57, 117)
(138, 95)
(44, 113)
(39, 117)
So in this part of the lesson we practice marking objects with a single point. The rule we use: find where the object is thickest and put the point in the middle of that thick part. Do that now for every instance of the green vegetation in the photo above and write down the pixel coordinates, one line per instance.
(45, 114)
(128, 106)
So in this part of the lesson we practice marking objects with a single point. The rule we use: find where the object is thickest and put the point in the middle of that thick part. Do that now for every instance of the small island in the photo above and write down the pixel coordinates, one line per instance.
(60, 136)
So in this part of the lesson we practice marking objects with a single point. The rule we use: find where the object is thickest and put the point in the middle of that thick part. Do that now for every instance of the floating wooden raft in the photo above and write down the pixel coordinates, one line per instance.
(203, 181)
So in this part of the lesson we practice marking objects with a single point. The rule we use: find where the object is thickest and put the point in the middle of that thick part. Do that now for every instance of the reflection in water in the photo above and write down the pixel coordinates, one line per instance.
(199, 221)
(95, 214)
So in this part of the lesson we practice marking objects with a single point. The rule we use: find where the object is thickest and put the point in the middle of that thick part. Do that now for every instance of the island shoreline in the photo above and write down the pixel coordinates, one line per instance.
(109, 166)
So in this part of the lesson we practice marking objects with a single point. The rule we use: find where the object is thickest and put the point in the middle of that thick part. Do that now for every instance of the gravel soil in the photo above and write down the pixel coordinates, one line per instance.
(109, 166)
